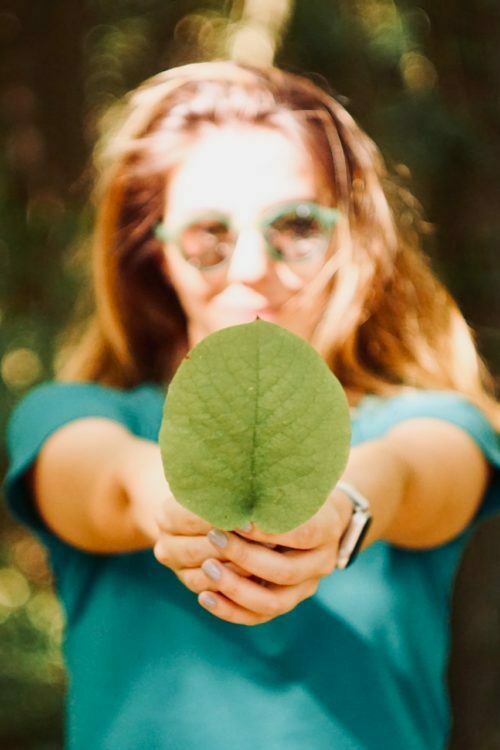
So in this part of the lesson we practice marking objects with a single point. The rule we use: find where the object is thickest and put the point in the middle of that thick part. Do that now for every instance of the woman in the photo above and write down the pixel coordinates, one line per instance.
(228, 193)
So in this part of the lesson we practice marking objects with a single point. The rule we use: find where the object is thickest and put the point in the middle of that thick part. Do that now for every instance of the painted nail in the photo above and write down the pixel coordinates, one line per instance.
(248, 526)
(212, 570)
(218, 538)
(207, 599)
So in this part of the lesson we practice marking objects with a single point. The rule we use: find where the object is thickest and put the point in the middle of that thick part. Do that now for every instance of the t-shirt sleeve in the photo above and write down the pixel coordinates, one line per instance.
(458, 410)
(41, 412)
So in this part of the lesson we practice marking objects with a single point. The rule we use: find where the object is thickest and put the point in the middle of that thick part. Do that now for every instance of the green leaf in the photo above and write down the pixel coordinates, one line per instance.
(255, 428)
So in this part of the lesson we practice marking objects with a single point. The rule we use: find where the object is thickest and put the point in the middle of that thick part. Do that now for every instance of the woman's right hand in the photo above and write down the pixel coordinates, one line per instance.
(183, 545)
(179, 537)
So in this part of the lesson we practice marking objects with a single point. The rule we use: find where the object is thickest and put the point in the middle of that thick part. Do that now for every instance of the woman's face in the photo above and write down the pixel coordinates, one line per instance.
(235, 176)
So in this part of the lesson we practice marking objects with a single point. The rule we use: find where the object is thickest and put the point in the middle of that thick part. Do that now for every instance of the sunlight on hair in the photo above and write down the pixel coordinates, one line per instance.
(255, 38)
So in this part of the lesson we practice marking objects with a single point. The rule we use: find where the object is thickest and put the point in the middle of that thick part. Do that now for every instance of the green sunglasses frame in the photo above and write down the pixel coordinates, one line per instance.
(327, 216)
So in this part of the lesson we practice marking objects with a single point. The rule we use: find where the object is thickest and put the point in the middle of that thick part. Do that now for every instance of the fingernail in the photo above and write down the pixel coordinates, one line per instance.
(246, 527)
(218, 538)
(212, 570)
(208, 600)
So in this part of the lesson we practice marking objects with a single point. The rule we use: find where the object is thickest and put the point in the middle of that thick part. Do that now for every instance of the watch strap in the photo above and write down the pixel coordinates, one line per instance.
(359, 524)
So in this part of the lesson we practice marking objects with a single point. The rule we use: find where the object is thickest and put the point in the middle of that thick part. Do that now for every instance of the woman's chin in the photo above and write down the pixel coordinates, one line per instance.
(238, 316)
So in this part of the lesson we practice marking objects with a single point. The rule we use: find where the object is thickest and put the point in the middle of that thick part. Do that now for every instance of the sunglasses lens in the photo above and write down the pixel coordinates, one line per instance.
(206, 243)
(297, 234)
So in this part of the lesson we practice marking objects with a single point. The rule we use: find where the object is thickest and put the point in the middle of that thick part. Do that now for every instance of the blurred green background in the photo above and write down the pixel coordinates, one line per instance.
(423, 78)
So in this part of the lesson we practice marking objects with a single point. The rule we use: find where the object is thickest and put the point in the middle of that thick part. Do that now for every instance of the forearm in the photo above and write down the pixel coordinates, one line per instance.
(424, 479)
(82, 491)
(134, 489)
(382, 476)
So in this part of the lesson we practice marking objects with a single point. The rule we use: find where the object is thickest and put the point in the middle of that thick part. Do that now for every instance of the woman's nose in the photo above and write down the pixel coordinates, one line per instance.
(249, 261)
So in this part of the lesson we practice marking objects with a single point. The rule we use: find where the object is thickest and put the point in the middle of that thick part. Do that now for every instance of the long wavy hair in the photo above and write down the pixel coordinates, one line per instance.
(389, 324)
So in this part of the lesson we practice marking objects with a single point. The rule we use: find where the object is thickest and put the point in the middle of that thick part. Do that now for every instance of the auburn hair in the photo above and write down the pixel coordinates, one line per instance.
(389, 325)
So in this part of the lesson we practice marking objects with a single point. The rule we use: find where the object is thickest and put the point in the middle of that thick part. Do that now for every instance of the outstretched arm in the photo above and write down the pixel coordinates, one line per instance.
(425, 479)
(83, 482)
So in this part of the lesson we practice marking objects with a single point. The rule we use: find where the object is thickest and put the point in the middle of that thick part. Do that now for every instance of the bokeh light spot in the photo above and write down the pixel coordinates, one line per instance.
(45, 614)
(252, 44)
(20, 368)
(418, 72)
(14, 588)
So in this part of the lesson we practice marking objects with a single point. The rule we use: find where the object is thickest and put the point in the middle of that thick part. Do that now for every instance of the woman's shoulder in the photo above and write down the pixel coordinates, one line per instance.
(54, 402)
(54, 385)
(376, 414)
(82, 389)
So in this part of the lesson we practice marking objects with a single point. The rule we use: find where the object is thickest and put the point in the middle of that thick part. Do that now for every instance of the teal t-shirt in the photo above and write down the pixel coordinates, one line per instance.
(361, 665)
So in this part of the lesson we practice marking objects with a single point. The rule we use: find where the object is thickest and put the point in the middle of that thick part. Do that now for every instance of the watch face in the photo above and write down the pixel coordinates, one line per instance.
(352, 538)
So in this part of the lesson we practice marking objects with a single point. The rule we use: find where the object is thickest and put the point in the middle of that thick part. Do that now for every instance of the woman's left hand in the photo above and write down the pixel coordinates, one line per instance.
(287, 576)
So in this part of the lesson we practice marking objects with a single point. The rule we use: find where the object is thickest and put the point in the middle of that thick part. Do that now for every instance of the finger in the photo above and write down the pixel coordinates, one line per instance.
(270, 601)
(183, 551)
(236, 569)
(218, 605)
(179, 552)
(283, 568)
(172, 517)
(307, 536)
(267, 601)
(325, 525)
(195, 579)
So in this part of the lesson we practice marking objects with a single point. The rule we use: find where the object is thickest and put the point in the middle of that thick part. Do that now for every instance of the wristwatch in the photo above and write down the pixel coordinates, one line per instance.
(358, 526)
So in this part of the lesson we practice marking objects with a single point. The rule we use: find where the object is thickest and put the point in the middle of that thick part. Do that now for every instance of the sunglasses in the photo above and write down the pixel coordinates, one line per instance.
(293, 233)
